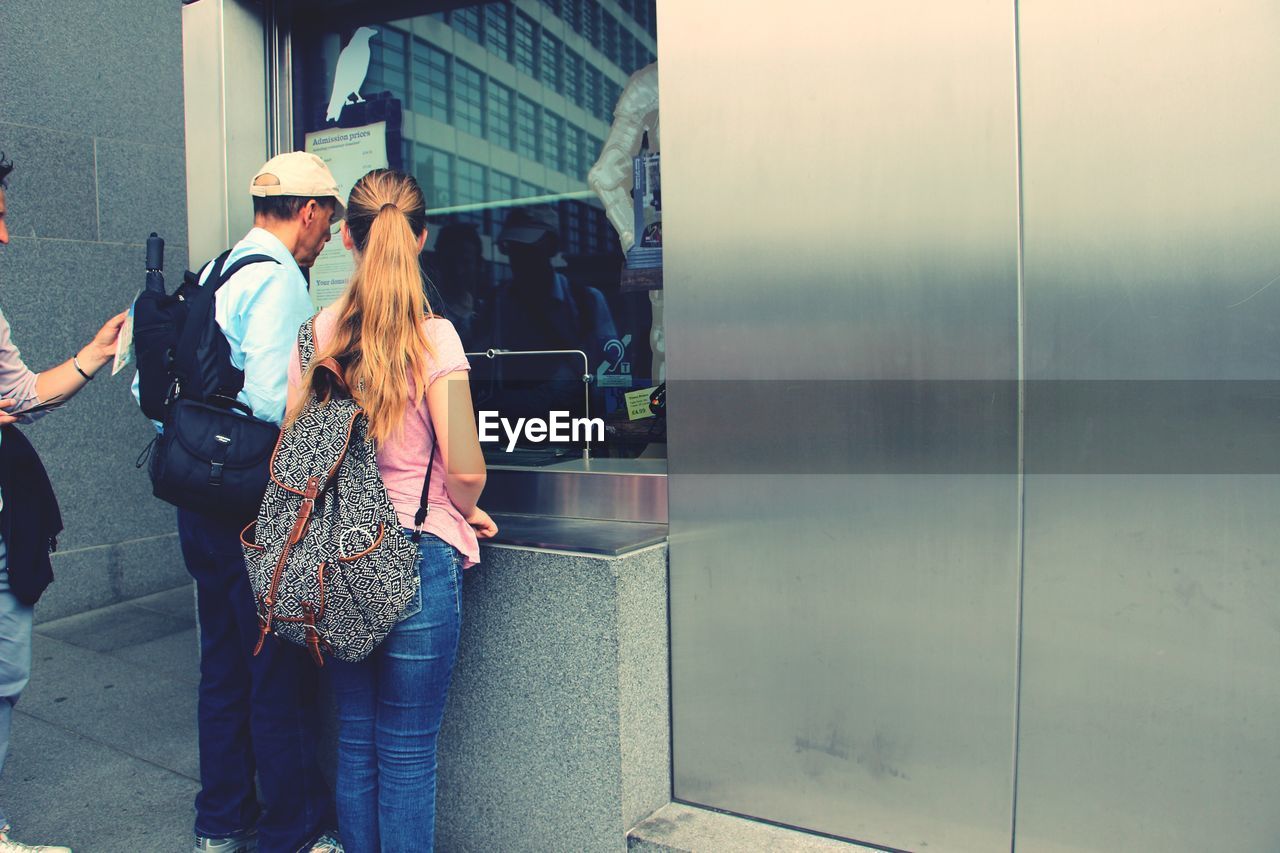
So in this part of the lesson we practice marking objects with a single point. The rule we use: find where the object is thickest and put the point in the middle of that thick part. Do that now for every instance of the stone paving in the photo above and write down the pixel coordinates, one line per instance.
(103, 756)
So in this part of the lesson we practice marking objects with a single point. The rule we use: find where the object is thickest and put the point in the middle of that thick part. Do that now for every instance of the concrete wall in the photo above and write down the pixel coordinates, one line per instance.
(91, 114)
(556, 735)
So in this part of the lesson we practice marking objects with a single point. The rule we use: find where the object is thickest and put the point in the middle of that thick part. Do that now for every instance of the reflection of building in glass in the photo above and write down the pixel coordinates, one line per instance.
(512, 100)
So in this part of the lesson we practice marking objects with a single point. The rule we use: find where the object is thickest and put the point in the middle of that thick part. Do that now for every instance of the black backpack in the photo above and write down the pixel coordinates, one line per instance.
(212, 453)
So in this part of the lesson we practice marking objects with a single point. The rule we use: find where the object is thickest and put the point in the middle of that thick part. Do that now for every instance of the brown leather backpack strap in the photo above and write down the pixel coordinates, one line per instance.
(331, 365)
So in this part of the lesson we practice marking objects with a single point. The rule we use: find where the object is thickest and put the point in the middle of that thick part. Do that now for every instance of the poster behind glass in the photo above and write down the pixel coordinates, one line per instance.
(526, 125)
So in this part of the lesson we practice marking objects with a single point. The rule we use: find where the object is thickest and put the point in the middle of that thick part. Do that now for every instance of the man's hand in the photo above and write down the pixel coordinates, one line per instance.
(5, 417)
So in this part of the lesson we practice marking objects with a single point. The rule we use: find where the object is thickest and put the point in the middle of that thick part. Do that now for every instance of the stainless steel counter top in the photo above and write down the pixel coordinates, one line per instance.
(584, 535)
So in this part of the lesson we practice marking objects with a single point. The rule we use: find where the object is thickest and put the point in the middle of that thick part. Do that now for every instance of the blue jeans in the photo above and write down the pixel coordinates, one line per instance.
(389, 710)
(255, 713)
(15, 655)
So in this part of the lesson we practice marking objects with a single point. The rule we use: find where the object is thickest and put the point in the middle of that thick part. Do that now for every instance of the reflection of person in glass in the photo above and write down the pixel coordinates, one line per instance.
(456, 271)
(540, 309)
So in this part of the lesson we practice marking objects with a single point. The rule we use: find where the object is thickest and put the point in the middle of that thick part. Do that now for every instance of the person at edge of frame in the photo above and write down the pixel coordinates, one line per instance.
(259, 711)
(409, 373)
(24, 560)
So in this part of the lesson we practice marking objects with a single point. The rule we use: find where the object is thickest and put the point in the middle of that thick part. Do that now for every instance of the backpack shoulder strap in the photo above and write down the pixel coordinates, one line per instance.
(240, 264)
(307, 342)
(420, 517)
(200, 313)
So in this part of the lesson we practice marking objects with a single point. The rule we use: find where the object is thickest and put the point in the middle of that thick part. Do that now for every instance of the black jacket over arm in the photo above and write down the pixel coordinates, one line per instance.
(30, 521)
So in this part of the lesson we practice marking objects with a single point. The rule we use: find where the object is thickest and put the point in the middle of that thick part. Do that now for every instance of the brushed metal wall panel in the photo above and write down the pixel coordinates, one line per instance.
(839, 203)
(1151, 646)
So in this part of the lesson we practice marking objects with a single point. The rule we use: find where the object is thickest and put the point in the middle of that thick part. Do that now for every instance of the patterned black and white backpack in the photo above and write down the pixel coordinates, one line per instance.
(330, 566)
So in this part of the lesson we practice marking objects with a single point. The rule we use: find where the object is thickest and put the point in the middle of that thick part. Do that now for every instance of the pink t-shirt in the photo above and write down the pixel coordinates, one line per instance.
(402, 459)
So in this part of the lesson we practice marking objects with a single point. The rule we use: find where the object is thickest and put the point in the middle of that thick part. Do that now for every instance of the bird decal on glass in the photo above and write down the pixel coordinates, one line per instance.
(348, 76)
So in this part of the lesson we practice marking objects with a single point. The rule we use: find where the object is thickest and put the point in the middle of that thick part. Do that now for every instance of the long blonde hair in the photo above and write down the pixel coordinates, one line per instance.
(379, 338)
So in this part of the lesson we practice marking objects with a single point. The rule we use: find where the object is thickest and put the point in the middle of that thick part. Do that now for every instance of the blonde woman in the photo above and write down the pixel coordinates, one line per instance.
(407, 370)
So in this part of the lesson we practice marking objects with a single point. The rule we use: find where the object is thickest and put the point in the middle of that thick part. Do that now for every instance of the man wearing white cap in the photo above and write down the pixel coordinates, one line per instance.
(258, 712)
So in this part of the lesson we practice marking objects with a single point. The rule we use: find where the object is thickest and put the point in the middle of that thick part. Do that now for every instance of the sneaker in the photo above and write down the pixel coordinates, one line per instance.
(325, 844)
(241, 842)
(9, 846)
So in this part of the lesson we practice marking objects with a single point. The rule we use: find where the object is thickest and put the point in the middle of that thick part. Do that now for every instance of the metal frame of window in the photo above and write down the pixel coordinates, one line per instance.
(499, 117)
(502, 186)
(434, 90)
(467, 20)
(468, 98)
(434, 170)
(553, 141)
(528, 128)
(472, 181)
(497, 29)
(384, 73)
(551, 54)
(524, 51)
(573, 63)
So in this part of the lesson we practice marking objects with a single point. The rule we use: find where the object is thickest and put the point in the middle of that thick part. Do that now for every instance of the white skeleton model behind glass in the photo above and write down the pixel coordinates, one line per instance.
(610, 178)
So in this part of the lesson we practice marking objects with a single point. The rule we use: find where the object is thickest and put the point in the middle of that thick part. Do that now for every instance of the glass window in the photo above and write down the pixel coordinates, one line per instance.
(626, 51)
(467, 22)
(472, 76)
(388, 65)
(434, 170)
(497, 30)
(573, 77)
(572, 164)
(591, 23)
(524, 49)
(527, 127)
(609, 37)
(471, 182)
(553, 141)
(594, 146)
(551, 51)
(612, 92)
(502, 187)
(430, 81)
(499, 113)
(592, 94)
(573, 229)
(468, 99)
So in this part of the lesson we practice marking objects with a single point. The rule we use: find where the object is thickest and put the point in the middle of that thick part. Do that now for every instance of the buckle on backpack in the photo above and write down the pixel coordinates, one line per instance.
(216, 464)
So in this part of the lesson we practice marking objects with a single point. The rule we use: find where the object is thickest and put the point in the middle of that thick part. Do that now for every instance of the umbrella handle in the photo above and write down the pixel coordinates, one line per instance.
(155, 252)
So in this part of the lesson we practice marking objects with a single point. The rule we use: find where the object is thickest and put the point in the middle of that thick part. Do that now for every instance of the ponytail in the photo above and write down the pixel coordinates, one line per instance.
(380, 338)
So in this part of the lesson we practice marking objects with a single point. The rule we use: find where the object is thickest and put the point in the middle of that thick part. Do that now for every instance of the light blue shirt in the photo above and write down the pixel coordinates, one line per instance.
(260, 310)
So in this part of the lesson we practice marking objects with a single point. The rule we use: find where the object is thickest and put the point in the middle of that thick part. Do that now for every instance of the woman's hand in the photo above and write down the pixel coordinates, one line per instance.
(5, 417)
(102, 348)
(482, 523)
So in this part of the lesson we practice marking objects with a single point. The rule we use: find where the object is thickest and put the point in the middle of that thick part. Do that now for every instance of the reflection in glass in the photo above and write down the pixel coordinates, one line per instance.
(504, 108)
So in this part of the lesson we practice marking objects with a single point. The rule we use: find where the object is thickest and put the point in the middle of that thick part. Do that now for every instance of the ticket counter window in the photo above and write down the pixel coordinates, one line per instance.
(501, 111)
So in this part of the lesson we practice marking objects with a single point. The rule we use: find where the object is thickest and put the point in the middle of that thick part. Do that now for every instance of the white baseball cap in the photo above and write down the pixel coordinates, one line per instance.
(298, 173)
